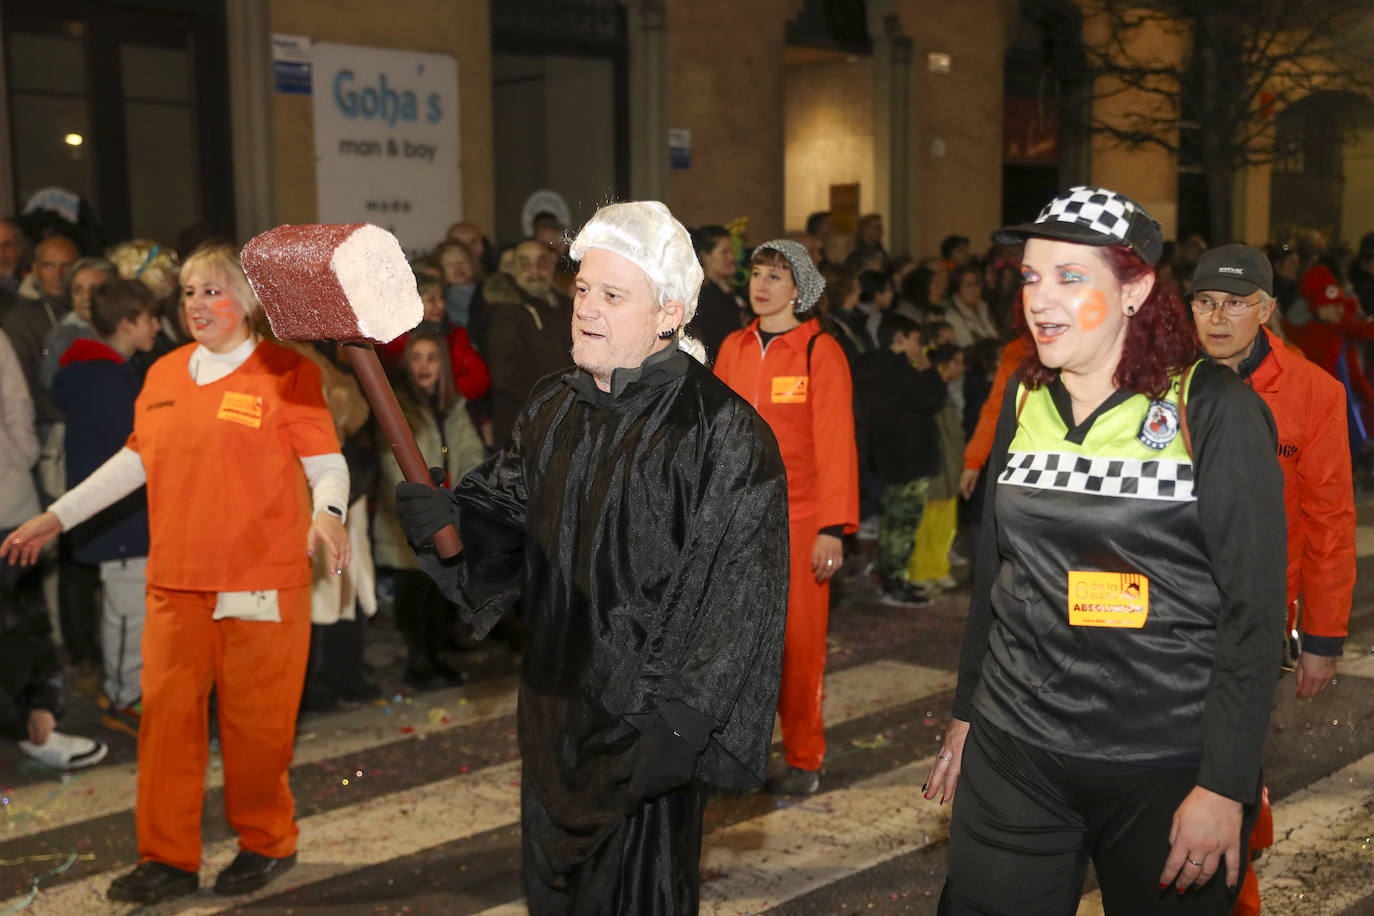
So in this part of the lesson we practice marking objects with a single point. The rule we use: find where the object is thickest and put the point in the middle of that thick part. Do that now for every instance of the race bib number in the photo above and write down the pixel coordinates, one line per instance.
(1104, 599)
(789, 389)
(241, 408)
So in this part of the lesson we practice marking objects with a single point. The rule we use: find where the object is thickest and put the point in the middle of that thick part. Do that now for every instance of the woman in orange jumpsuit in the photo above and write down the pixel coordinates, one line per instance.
(233, 439)
(798, 380)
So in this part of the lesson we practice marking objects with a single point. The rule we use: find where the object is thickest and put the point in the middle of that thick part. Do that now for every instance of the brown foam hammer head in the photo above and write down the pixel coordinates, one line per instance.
(348, 283)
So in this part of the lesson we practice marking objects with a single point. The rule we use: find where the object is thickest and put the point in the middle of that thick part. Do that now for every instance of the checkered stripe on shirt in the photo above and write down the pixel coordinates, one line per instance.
(1126, 477)
(1096, 208)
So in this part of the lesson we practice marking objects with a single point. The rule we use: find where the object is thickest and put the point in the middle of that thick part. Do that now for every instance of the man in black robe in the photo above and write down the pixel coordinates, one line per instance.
(638, 519)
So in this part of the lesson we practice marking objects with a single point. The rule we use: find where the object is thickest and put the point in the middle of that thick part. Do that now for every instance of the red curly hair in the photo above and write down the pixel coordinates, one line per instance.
(1161, 340)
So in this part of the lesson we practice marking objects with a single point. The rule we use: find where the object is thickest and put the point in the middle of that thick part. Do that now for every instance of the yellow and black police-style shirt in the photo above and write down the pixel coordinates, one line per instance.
(1129, 596)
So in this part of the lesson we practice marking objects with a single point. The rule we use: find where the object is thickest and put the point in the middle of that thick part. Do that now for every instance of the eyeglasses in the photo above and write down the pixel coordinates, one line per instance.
(1204, 306)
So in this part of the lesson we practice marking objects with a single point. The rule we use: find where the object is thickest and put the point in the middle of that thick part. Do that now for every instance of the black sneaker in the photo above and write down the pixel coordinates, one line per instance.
(251, 871)
(905, 594)
(153, 882)
(434, 675)
(793, 781)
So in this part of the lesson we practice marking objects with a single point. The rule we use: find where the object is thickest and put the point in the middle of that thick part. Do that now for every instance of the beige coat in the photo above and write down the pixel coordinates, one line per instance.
(464, 453)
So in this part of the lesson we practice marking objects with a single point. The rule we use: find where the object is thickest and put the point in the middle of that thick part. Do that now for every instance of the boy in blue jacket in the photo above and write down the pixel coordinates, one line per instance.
(96, 386)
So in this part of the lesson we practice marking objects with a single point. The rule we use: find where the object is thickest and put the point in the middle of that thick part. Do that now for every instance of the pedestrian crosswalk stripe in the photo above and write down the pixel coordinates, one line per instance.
(850, 693)
(109, 789)
(794, 850)
(462, 806)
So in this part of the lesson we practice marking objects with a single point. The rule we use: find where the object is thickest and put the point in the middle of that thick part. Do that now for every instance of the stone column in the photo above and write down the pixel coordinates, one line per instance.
(892, 124)
(7, 202)
(251, 108)
(648, 115)
(898, 226)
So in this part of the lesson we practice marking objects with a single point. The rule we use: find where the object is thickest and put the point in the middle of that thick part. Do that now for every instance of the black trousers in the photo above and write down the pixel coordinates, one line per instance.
(424, 616)
(1027, 821)
(78, 605)
(336, 657)
(16, 669)
(647, 866)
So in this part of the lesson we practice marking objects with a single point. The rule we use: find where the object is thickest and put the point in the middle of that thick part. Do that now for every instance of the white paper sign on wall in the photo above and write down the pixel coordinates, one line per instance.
(386, 141)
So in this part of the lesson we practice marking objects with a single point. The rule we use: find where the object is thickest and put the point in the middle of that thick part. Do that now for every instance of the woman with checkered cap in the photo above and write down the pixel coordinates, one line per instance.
(797, 378)
(1123, 641)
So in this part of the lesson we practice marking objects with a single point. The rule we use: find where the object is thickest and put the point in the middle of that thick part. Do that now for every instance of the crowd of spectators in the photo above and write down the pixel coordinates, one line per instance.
(928, 340)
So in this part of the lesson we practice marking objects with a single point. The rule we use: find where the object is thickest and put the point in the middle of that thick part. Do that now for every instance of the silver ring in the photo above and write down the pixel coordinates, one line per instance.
(829, 562)
(1191, 862)
(946, 756)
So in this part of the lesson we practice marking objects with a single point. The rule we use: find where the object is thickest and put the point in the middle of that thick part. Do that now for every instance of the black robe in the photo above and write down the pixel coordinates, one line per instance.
(642, 533)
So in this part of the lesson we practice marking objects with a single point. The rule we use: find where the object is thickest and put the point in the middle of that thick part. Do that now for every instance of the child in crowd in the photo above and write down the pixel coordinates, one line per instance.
(899, 397)
(470, 374)
(438, 417)
(938, 333)
(929, 566)
(97, 385)
(31, 680)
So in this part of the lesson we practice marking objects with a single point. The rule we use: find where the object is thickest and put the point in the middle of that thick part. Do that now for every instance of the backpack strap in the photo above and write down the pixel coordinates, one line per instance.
(1021, 404)
(811, 345)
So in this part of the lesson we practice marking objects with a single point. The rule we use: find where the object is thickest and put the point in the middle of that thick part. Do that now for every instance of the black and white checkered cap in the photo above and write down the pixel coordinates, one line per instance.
(1092, 216)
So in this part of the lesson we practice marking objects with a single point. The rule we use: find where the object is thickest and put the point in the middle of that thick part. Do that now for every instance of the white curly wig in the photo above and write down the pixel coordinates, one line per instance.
(646, 234)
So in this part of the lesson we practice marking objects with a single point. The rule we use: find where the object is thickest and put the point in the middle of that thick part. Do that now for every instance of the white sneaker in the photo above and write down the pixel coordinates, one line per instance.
(66, 752)
(956, 558)
(947, 582)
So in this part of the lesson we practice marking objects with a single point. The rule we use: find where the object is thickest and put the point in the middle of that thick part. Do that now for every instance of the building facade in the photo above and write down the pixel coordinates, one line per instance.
(945, 118)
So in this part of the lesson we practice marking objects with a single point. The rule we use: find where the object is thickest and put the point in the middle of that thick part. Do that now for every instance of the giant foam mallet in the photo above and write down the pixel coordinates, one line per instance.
(352, 284)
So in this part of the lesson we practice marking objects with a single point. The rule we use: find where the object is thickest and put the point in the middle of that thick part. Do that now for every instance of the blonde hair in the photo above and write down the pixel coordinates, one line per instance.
(221, 262)
(145, 260)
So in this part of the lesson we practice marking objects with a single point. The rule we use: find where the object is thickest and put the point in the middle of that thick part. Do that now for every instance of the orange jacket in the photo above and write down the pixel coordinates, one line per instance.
(1309, 409)
(811, 413)
(228, 505)
(980, 443)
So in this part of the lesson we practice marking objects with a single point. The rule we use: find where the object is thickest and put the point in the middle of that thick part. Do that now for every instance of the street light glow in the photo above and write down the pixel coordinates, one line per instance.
(74, 139)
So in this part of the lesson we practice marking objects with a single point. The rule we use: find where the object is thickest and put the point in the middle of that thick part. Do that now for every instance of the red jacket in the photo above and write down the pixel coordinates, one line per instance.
(979, 445)
(470, 374)
(1309, 410)
(810, 412)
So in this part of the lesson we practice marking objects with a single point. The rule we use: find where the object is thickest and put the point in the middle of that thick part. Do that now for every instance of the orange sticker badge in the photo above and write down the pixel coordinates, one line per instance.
(1104, 599)
(1092, 309)
(789, 389)
(244, 409)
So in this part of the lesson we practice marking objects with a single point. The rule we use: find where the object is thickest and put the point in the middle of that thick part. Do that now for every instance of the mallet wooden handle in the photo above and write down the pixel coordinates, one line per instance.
(378, 390)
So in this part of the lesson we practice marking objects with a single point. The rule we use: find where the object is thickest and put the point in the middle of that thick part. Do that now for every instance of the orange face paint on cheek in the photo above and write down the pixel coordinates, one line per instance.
(1092, 310)
(226, 316)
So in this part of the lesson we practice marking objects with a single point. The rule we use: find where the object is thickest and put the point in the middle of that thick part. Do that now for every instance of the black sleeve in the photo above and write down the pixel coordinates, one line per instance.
(987, 561)
(486, 579)
(927, 391)
(1239, 490)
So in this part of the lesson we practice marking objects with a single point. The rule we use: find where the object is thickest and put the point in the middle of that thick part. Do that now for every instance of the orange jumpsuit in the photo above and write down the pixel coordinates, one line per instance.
(229, 511)
(1309, 408)
(810, 410)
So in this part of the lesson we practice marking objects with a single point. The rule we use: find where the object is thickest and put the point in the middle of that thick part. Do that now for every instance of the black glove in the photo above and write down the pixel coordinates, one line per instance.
(660, 761)
(423, 510)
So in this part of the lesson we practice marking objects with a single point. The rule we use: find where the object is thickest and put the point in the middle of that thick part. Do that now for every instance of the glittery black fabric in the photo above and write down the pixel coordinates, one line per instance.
(642, 533)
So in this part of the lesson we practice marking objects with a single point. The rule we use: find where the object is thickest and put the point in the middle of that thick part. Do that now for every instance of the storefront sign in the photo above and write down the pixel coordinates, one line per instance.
(679, 148)
(291, 63)
(386, 141)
